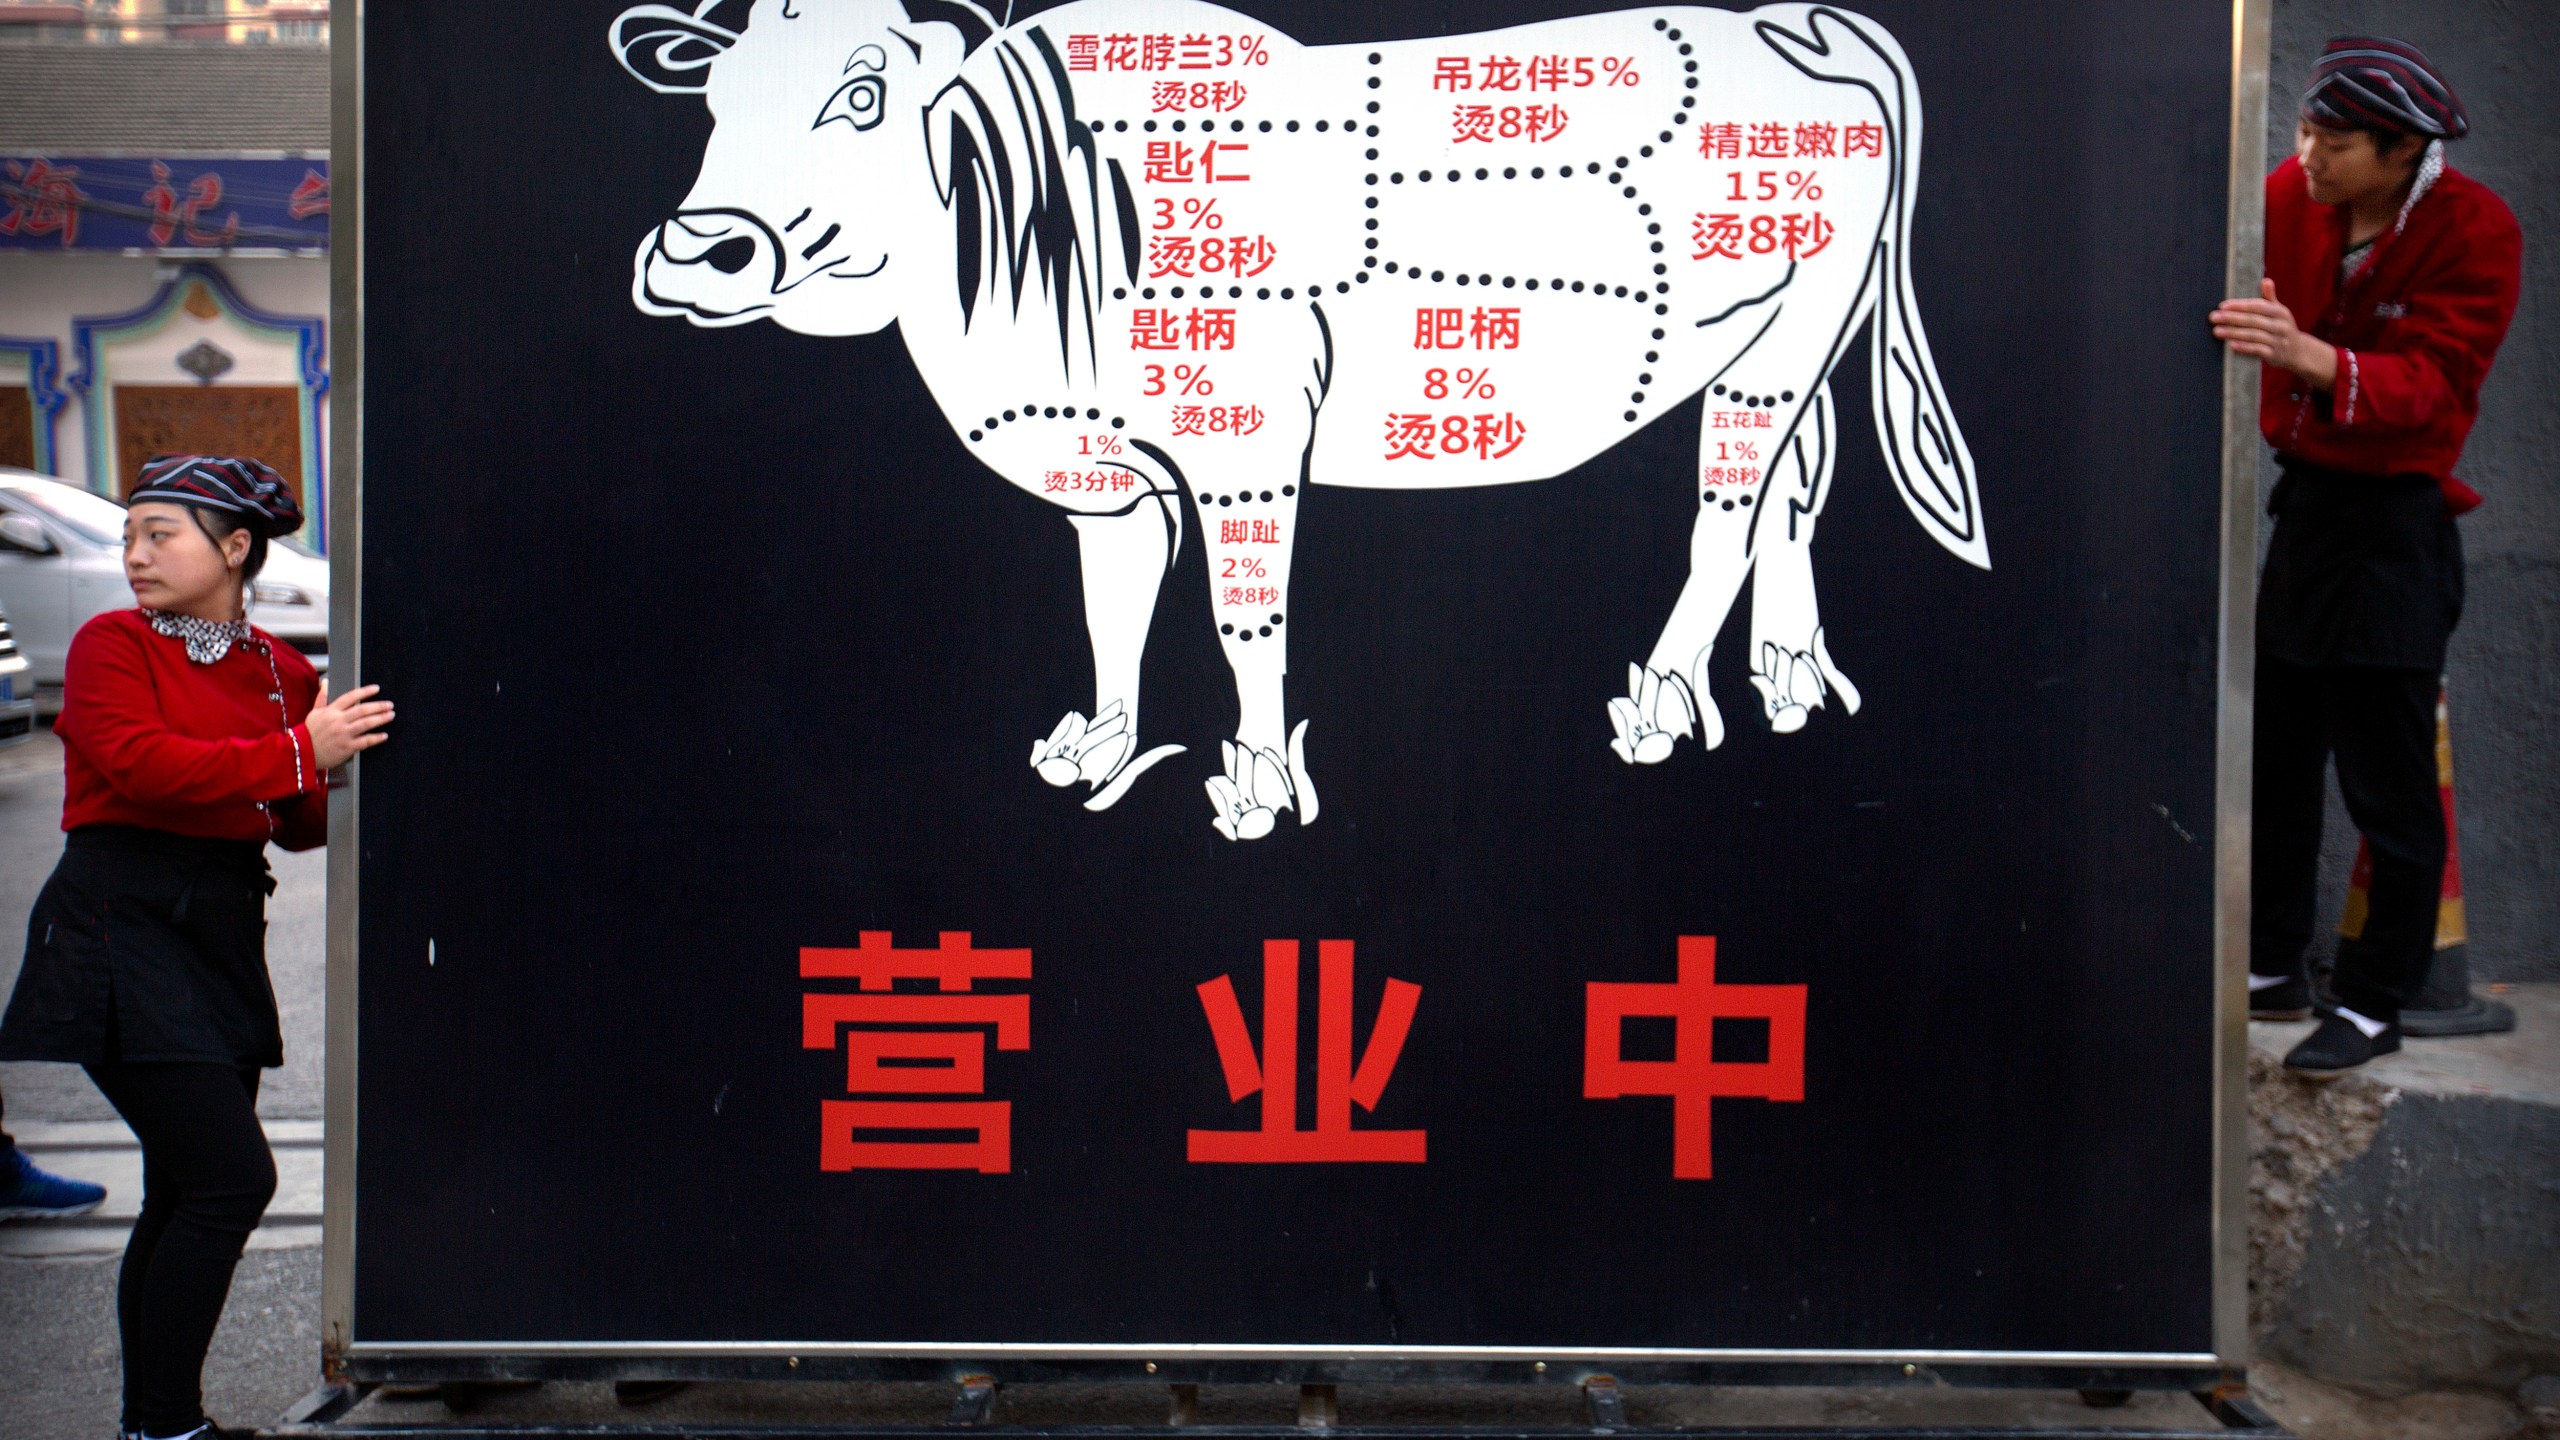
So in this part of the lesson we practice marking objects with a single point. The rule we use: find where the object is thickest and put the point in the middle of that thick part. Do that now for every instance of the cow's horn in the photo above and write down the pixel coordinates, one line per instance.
(667, 49)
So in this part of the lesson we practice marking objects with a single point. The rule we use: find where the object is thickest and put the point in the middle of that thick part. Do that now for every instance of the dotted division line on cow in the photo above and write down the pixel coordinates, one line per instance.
(1037, 411)
(1656, 292)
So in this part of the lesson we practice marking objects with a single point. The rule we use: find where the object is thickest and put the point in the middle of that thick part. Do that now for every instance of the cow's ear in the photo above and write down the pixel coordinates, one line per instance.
(949, 117)
(667, 49)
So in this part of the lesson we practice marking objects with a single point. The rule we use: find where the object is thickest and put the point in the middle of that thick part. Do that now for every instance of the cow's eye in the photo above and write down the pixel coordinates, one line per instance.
(861, 103)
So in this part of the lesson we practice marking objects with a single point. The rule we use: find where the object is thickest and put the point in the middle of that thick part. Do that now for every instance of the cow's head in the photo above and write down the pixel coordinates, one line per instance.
(817, 155)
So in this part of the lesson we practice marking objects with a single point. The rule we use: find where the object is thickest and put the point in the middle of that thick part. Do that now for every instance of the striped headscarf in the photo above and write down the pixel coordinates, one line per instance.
(2365, 82)
(245, 488)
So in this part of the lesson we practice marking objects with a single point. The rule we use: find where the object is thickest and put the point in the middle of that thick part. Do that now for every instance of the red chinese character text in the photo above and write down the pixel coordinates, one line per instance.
(1153, 328)
(310, 198)
(44, 199)
(1274, 1072)
(950, 1059)
(1717, 235)
(1804, 236)
(1693, 1077)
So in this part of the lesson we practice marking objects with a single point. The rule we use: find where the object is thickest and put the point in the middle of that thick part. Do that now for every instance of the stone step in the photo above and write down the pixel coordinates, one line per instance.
(2405, 1220)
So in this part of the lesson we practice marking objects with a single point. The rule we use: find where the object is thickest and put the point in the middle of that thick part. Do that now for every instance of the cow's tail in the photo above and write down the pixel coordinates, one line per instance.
(1917, 429)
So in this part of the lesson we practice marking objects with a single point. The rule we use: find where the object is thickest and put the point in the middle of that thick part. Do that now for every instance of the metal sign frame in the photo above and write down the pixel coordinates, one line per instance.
(349, 1357)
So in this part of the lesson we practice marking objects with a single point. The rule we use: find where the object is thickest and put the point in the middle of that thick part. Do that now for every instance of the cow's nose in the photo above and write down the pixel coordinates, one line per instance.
(726, 241)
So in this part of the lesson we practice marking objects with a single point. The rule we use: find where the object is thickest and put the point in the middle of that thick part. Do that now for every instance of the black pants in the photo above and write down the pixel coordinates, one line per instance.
(206, 1178)
(2379, 725)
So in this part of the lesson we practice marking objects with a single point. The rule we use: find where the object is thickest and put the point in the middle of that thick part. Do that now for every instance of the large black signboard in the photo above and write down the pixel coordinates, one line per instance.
(1145, 681)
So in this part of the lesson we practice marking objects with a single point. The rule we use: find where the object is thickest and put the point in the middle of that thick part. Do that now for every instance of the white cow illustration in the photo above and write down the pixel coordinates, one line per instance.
(1153, 257)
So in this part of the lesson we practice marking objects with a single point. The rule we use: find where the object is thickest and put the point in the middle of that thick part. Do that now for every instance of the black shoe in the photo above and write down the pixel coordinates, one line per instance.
(2288, 1001)
(2338, 1047)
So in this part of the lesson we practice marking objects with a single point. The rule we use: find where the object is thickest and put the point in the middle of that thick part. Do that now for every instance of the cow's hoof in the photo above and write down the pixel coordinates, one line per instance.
(1795, 683)
(1253, 792)
(1100, 752)
(1088, 750)
(1655, 714)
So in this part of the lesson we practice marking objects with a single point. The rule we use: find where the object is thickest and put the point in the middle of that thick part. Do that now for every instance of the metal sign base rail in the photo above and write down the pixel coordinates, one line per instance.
(2228, 1411)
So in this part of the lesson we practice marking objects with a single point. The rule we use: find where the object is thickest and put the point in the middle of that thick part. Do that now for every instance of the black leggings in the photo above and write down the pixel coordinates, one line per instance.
(206, 1178)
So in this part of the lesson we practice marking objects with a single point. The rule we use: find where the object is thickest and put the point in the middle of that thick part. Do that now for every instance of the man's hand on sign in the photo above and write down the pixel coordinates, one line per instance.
(347, 726)
(2263, 329)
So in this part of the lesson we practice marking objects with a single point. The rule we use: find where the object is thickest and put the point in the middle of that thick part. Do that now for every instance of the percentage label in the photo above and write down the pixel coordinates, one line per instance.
(1470, 384)
(1746, 449)
(1252, 568)
(1202, 214)
(1097, 444)
(1620, 69)
(1194, 379)
(1803, 185)
(1250, 50)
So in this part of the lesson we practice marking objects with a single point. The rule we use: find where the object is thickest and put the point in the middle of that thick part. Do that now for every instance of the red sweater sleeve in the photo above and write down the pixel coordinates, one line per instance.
(2457, 317)
(119, 729)
(302, 823)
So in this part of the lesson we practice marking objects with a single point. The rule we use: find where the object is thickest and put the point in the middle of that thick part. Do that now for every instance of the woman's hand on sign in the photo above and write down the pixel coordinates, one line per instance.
(346, 727)
(2263, 329)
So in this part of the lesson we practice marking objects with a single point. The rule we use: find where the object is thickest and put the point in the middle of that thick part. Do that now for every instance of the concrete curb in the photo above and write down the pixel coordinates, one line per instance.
(2405, 1221)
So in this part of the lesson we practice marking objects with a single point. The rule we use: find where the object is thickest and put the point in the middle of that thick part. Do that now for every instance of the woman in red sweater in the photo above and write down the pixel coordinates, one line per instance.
(190, 739)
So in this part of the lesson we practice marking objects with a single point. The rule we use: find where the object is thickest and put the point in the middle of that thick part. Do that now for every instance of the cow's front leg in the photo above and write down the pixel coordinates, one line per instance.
(1790, 664)
(1123, 558)
(1249, 533)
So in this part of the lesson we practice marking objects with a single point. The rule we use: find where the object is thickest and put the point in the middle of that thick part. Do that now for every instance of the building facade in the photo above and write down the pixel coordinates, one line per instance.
(237, 22)
(164, 277)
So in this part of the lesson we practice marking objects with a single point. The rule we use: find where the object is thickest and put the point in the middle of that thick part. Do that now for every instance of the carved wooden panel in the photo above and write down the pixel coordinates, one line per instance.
(17, 426)
(261, 422)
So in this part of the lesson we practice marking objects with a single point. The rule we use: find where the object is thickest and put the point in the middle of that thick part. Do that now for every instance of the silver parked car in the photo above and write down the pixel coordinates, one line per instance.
(17, 690)
(62, 561)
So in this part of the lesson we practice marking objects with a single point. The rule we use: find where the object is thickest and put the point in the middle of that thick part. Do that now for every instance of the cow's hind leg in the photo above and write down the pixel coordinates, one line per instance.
(1790, 665)
(1667, 695)
(1123, 557)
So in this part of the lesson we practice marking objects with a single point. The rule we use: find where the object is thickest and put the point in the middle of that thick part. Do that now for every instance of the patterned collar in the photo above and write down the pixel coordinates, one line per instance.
(2430, 170)
(2356, 259)
(207, 640)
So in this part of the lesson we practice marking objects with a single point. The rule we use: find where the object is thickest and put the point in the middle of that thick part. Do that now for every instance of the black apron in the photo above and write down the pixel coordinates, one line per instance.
(2363, 570)
(146, 946)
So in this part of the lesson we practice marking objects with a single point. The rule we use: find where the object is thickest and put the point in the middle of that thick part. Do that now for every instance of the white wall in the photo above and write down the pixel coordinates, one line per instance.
(41, 293)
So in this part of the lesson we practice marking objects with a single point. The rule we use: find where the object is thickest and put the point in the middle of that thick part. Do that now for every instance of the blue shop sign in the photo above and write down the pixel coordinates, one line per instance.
(88, 202)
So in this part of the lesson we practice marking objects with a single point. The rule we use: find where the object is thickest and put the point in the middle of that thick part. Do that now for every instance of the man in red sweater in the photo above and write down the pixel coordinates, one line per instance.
(2391, 278)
